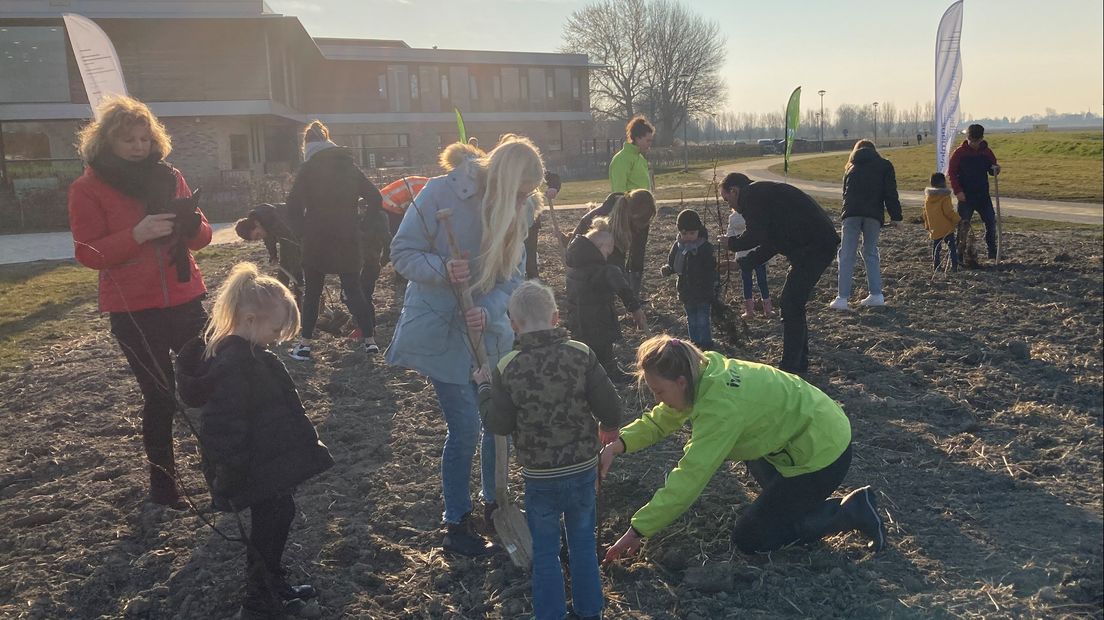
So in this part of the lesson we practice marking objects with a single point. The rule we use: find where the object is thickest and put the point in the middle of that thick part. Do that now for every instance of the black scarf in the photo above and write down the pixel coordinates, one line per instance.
(151, 181)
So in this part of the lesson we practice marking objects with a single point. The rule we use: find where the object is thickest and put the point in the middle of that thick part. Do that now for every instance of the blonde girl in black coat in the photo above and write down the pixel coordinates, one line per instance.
(256, 439)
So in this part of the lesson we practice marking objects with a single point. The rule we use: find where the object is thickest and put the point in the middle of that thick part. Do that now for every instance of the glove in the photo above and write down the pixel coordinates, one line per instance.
(186, 223)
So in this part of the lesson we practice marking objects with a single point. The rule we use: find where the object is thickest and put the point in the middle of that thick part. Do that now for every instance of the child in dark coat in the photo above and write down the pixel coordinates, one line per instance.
(269, 223)
(592, 285)
(256, 439)
(692, 260)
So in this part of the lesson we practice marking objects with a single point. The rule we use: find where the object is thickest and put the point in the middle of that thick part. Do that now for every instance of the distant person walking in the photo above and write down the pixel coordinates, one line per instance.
(968, 171)
(782, 219)
(123, 222)
(869, 190)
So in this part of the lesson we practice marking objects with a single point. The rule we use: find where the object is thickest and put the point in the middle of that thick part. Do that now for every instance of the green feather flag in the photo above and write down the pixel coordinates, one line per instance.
(460, 125)
(793, 115)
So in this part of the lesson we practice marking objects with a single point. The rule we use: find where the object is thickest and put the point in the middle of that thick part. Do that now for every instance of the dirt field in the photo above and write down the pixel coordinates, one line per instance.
(975, 400)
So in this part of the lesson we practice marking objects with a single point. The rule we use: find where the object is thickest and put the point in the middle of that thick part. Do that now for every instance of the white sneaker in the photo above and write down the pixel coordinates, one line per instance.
(873, 300)
(839, 304)
(301, 352)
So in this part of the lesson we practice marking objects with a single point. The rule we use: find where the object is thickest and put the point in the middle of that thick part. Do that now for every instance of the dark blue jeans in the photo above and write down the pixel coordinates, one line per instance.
(761, 275)
(546, 501)
(697, 324)
(952, 249)
(984, 207)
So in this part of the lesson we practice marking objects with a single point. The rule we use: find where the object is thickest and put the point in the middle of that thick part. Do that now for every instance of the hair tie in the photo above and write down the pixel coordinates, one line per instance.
(675, 341)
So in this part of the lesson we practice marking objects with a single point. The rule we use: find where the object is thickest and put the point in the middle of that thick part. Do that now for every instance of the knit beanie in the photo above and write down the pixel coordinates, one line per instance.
(689, 220)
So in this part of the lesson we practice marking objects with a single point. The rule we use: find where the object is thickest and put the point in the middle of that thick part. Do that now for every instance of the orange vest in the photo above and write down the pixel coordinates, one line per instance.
(398, 194)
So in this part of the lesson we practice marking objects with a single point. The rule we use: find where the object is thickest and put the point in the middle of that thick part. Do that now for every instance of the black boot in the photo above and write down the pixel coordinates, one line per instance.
(289, 592)
(861, 511)
(825, 520)
(463, 539)
(262, 600)
(163, 488)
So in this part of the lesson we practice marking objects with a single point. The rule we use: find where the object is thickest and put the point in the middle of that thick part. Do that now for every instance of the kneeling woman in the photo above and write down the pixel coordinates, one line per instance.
(795, 440)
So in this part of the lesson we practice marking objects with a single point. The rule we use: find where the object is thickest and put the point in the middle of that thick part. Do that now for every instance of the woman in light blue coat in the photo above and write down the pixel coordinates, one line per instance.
(492, 201)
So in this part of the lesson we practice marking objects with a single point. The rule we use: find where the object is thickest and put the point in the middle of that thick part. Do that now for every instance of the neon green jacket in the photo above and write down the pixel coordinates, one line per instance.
(628, 170)
(742, 411)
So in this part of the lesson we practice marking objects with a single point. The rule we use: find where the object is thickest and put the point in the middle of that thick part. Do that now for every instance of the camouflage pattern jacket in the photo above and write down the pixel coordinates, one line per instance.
(550, 393)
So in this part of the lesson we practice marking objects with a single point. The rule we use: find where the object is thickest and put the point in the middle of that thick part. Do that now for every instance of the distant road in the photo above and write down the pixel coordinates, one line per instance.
(1053, 210)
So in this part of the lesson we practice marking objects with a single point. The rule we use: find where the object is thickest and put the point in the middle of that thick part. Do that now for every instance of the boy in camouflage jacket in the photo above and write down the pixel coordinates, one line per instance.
(550, 393)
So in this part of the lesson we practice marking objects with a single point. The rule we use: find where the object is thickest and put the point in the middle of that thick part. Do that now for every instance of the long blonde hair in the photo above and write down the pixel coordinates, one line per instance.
(513, 165)
(671, 358)
(116, 114)
(620, 224)
(246, 293)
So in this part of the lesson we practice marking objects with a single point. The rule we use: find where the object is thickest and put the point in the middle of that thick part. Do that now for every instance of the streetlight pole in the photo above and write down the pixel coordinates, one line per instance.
(821, 93)
(685, 81)
(875, 123)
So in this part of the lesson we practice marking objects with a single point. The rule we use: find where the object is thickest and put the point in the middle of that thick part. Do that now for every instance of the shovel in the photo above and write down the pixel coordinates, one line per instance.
(509, 520)
(996, 194)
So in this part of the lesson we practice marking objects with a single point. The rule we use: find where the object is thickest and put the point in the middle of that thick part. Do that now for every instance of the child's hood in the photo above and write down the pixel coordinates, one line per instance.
(196, 376)
(582, 252)
(937, 191)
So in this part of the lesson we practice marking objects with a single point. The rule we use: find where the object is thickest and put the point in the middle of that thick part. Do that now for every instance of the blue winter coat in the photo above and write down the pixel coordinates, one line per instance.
(431, 336)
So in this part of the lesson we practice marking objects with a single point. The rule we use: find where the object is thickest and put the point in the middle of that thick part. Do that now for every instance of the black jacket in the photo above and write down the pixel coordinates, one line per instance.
(592, 284)
(870, 188)
(698, 281)
(782, 219)
(634, 261)
(255, 437)
(322, 207)
(375, 233)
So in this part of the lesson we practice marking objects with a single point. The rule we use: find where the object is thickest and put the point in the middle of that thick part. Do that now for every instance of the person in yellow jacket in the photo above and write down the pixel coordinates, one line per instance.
(940, 219)
(795, 440)
(628, 169)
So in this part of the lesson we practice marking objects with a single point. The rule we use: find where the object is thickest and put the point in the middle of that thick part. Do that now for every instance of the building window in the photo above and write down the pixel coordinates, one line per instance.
(414, 85)
(381, 86)
(550, 86)
(444, 86)
(33, 64)
(575, 90)
(387, 150)
(555, 136)
(496, 87)
(239, 152)
(473, 87)
(40, 154)
(524, 85)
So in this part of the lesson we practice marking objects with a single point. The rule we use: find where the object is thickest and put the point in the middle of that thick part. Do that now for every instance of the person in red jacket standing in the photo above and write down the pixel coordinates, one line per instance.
(134, 220)
(969, 169)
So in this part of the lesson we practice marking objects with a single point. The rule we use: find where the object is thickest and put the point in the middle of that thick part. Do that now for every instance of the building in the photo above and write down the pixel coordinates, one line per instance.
(235, 82)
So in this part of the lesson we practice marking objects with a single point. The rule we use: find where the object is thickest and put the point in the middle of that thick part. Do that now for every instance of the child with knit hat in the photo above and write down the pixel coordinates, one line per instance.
(692, 260)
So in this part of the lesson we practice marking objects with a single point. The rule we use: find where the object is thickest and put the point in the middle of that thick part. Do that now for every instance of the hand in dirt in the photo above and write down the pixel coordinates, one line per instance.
(961, 196)
(476, 318)
(640, 319)
(481, 375)
(627, 545)
(609, 452)
(458, 270)
(153, 227)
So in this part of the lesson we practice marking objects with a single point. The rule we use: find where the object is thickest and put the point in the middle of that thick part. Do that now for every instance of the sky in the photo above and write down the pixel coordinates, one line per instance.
(1019, 57)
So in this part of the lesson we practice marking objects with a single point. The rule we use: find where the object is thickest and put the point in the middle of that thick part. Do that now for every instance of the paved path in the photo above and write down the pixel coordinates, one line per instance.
(1053, 210)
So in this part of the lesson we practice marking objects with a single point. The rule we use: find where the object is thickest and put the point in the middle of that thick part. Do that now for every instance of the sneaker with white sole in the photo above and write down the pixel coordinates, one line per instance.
(301, 352)
(840, 304)
(371, 348)
(873, 301)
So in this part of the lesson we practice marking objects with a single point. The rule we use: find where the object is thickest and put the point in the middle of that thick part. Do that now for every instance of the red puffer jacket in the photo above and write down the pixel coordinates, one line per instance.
(133, 276)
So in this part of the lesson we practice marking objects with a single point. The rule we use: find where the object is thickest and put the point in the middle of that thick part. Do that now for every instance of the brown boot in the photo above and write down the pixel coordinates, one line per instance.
(749, 310)
(768, 308)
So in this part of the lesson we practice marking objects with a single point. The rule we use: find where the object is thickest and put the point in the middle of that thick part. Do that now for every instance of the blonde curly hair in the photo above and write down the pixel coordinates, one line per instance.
(116, 114)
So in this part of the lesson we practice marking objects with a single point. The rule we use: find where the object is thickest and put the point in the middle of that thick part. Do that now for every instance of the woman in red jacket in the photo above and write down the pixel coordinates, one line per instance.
(134, 220)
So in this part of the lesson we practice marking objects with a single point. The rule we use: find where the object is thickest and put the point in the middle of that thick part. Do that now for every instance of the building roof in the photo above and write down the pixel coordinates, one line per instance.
(130, 9)
(355, 49)
(361, 42)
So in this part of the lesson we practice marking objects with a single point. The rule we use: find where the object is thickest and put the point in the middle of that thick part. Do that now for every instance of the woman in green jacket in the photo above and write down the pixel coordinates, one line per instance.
(628, 169)
(795, 440)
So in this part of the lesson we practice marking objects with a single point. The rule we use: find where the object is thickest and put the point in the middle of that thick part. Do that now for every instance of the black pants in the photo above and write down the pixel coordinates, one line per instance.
(351, 293)
(776, 518)
(804, 274)
(270, 523)
(147, 337)
(369, 275)
(531, 268)
(984, 207)
(291, 266)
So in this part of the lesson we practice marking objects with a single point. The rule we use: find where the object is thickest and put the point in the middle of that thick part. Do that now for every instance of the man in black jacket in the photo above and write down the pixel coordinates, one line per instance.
(782, 219)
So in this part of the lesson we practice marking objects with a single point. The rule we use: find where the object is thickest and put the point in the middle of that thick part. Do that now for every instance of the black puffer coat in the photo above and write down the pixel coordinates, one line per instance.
(870, 188)
(256, 439)
(322, 207)
(698, 282)
(592, 284)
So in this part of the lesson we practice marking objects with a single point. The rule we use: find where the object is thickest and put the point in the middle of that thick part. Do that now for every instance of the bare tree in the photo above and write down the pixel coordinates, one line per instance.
(658, 58)
(604, 32)
(887, 118)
